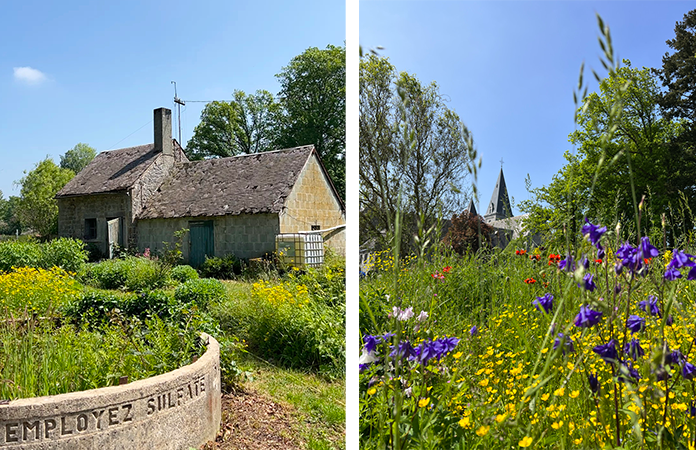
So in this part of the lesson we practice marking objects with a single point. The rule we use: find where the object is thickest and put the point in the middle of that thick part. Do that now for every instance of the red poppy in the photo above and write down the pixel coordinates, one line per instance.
(520, 252)
(447, 269)
(530, 281)
(598, 261)
(647, 260)
(535, 257)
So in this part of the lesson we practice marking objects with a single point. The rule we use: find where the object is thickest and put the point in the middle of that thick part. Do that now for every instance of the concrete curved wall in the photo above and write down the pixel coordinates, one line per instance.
(172, 411)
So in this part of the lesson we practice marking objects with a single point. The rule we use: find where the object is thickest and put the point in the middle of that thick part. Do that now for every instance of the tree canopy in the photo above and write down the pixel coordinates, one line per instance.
(597, 182)
(77, 157)
(247, 124)
(412, 147)
(313, 99)
(309, 109)
(37, 207)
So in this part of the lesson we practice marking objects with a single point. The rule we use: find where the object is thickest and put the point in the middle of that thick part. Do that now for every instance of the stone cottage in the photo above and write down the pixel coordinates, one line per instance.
(140, 196)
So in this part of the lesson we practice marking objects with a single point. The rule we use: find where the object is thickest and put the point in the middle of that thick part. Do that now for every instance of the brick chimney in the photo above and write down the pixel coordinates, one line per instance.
(163, 131)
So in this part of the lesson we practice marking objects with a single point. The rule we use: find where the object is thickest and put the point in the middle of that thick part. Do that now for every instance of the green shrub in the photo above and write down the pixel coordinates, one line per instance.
(131, 274)
(225, 268)
(68, 254)
(200, 292)
(93, 307)
(282, 322)
(150, 303)
(183, 273)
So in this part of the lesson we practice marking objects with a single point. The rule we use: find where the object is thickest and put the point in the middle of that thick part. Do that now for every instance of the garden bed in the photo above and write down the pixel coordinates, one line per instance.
(175, 410)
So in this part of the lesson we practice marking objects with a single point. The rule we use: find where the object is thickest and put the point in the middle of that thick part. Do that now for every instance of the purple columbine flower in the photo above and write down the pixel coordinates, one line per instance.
(587, 317)
(692, 409)
(672, 274)
(473, 331)
(630, 257)
(594, 383)
(633, 349)
(600, 252)
(363, 367)
(545, 303)
(669, 321)
(607, 351)
(449, 343)
(371, 342)
(405, 350)
(635, 323)
(674, 357)
(692, 274)
(650, 306)
(567, 264)
(688, 371)
(584, 262)
(567, 343)
(626, 370)
(647, 249)
(593, 232)
(589, 284)
(617, 289)
(681, 259)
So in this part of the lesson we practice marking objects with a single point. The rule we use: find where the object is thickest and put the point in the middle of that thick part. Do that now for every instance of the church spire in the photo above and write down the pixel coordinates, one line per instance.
(471, 209)
(499, 206)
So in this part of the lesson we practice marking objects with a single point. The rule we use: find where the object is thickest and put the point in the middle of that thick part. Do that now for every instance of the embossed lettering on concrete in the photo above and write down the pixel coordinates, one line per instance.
(96, 420)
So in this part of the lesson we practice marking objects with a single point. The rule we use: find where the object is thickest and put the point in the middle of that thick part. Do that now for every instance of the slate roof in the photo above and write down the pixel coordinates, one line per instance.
(499, 206)
(111, 171)
(244, 184)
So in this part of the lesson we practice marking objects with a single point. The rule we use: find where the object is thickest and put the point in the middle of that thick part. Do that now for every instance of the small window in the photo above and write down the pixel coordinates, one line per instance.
(90, 228)
(316, 227)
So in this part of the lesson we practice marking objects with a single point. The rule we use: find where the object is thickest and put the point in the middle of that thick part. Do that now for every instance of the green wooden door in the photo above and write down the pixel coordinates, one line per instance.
(202, 241)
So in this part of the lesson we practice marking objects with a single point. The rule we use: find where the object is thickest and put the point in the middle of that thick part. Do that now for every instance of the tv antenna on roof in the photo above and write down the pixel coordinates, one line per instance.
(178, 102)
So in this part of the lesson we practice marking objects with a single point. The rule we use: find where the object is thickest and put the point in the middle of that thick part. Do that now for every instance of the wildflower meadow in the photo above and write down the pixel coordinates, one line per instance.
(585, 340)
(466, 352)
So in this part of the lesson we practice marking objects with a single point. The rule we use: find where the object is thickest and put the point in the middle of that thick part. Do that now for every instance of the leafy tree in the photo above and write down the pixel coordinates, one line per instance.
(77, 157)
(678, 73)
(247, 124)
(463, 233)
(411, 145)
(597, 182)
(9, 221)
(37, 206)
(313, 98)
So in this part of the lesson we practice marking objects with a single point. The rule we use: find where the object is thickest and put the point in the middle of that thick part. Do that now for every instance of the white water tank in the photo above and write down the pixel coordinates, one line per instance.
(300, 249)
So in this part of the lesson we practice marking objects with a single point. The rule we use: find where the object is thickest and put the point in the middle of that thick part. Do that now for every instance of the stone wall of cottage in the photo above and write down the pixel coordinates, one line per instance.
(245, 236)
(313, 203)
(74, 211)
(152, 178)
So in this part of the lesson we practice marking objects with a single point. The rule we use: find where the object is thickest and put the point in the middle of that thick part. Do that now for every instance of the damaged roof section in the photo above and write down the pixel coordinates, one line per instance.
(244, 184)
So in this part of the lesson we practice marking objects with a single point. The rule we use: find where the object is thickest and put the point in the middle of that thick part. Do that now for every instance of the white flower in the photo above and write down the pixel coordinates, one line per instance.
(422, 317)
(367, 357)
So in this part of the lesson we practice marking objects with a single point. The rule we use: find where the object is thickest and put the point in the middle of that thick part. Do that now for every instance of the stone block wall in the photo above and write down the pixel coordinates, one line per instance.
(313, 202)
(72, 212)
(163, 167)
(245, 236)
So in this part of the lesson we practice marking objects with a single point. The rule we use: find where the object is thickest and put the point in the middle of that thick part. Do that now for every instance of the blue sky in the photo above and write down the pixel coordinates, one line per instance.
(509, 68)
(93, 72)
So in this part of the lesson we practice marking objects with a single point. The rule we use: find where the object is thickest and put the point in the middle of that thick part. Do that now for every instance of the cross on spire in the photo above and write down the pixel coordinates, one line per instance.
(501, 163)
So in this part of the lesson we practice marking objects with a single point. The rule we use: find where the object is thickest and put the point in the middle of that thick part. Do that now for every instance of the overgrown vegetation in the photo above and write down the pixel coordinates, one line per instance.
(586, 342)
